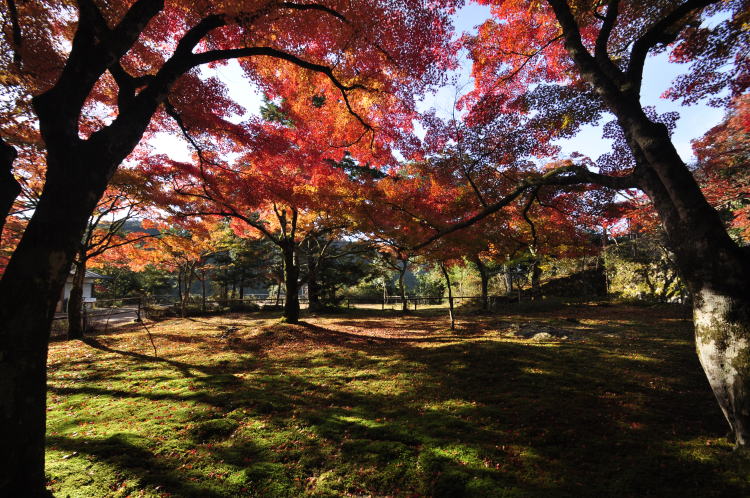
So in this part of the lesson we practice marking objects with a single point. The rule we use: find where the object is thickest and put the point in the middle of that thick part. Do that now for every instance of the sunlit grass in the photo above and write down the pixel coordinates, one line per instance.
(373, 404)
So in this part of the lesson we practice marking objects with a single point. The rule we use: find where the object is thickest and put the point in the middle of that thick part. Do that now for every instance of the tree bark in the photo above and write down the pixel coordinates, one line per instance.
(536, 273)
(313, 291)
(450, 296)
(485, 278)
(180, 294)
(9, 187)
(402, 287)
(717, 273)
(508, 280)
(291, 281)
(29, 292)
(75, 300)
(715, 268)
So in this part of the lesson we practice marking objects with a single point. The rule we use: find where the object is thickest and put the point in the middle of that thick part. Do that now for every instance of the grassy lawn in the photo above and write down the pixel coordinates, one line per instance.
(369, 403)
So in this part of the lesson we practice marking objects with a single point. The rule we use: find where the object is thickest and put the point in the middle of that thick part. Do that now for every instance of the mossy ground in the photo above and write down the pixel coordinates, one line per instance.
(374, 404)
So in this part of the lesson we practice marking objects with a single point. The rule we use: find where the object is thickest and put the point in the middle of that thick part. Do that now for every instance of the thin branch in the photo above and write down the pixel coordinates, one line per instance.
(16, 29)
(565, 175)
(216, 55)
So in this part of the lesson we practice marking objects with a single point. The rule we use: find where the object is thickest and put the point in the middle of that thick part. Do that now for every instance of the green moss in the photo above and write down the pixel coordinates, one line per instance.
(213, 429)
(473, 415)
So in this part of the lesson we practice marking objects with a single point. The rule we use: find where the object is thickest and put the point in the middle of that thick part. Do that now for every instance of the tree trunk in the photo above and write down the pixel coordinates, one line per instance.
(75, 300)
(29, 291)
(180, 294)
(203, 291)
(715, 269)
(536, 273)
(9, 187)
(717, 272)
(291, 280)
(189, 275)
(402, 287)
(508, 280)
(313, 291)
(485, 278)
(450, 296)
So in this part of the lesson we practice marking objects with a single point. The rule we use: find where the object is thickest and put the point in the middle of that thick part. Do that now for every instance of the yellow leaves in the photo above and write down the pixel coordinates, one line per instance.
(566, 122)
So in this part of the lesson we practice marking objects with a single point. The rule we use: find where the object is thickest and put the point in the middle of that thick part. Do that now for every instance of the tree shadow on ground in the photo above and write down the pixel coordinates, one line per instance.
(438, 416)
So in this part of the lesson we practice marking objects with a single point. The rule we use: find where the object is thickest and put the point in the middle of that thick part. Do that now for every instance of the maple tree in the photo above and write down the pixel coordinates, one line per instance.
(474, 164)
(184, 252)
(282, 187)
(559, 64)
(722, 155)
(96, 73)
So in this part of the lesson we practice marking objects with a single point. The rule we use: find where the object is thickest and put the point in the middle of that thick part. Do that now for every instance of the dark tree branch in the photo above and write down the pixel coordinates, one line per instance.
(526, 217)
(16, 31)
(589, 67)
(127, 85)
(123, 243)
(601, 52)
(608, 23)
(664, 32)
(314, 6)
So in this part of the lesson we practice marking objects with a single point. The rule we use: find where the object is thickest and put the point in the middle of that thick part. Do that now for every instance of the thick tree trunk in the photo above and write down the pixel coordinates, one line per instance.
(715, 269)
(291, 281)
(9, 187)
(29, 292)
(722, 336)
(75, 300)
(77, 174)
